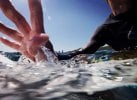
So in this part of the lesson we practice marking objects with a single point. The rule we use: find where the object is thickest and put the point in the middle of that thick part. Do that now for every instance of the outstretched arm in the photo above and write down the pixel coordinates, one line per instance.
(96, 41)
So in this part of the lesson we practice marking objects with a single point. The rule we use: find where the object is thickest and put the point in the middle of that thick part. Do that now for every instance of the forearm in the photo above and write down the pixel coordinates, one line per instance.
(91, 47)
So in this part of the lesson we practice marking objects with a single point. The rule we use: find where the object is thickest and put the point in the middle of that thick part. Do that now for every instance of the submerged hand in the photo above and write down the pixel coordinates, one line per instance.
(28, 39)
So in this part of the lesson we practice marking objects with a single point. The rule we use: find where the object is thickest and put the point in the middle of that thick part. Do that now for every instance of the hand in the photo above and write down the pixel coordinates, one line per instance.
(28, 39)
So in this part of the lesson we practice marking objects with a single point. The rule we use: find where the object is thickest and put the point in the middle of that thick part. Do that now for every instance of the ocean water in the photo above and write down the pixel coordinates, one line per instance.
(74, 79)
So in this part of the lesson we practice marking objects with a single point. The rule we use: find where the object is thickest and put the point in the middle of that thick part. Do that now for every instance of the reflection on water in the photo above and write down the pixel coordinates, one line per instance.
(68, 80)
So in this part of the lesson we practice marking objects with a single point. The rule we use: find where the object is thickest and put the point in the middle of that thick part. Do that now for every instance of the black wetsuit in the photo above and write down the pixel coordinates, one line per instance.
(116, 31)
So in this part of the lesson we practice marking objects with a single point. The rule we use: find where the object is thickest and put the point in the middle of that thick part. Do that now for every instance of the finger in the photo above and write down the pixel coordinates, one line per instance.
(36, 16)
(40, 56)
(29, 55)
(10, 33)
(13, 45)
(37, 53)
(20, 22)
(16, 46)
(44, 37)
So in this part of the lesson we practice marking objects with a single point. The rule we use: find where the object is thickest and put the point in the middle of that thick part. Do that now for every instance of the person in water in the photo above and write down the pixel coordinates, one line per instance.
(118, 31)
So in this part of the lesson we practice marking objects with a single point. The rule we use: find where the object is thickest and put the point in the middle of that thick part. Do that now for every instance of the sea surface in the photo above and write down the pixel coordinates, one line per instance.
(84, 77)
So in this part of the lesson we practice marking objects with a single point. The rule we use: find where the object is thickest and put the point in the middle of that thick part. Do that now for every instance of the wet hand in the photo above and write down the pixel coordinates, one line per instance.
(29, 38)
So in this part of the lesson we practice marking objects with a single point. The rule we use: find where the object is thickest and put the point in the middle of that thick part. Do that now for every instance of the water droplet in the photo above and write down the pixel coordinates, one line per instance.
(127, 64)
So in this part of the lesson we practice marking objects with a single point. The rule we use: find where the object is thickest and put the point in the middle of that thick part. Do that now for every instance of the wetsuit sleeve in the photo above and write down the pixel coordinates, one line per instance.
(96, 41)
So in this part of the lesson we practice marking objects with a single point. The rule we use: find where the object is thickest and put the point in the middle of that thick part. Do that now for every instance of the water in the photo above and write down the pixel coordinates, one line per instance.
(73, 79)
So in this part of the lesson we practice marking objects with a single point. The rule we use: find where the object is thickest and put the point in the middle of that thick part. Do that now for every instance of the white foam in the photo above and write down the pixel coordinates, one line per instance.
(6, 60)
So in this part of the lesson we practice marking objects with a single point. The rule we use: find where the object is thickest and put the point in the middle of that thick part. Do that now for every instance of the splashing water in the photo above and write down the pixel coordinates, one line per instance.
(51, 57)
(78, 81)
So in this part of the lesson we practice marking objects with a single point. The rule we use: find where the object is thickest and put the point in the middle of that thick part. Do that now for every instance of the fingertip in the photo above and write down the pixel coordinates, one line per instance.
(43, 34)
(44, 37)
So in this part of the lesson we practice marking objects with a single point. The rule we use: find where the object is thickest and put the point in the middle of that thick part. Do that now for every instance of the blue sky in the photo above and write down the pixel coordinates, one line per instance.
(69, 23)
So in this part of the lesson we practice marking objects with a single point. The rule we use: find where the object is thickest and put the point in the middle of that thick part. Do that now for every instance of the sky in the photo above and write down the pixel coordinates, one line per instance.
(69, 23)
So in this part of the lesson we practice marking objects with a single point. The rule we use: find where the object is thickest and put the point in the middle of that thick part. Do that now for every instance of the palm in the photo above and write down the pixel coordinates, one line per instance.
(28, 39)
